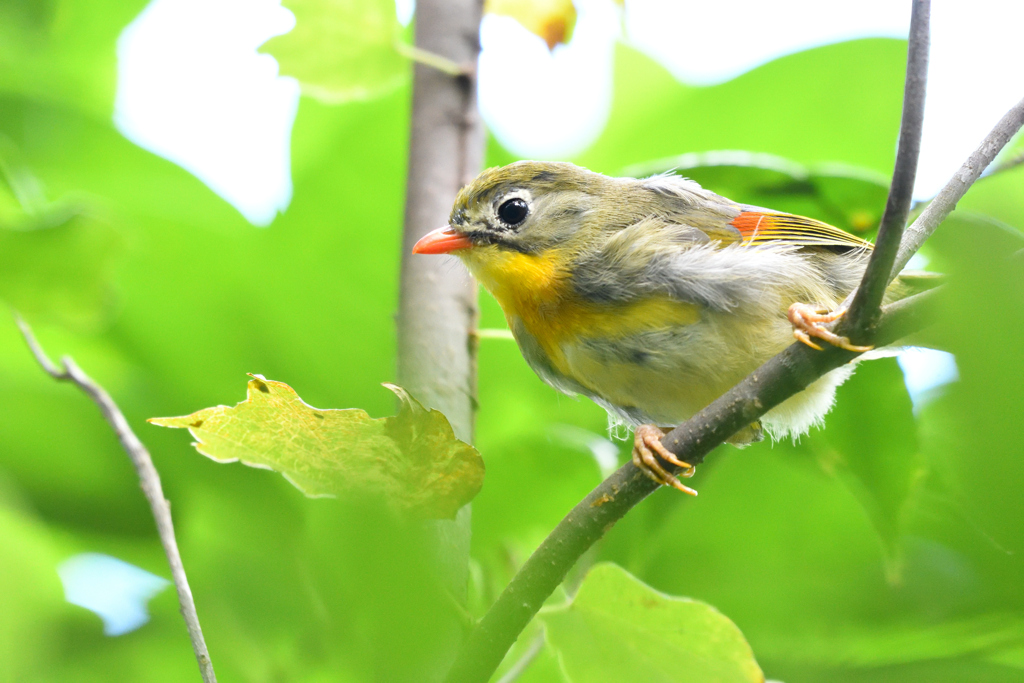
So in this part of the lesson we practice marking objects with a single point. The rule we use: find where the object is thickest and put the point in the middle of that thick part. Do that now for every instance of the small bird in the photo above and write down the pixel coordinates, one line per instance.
(652, 296)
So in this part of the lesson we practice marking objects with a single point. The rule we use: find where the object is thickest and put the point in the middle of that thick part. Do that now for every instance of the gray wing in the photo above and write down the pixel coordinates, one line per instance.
(655, 257)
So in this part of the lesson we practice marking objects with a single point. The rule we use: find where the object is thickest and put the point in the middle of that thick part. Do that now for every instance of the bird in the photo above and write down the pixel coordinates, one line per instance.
(653, 296)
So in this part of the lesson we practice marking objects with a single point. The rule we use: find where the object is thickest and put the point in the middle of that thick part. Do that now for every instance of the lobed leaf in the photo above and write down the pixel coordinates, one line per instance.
(412, 459)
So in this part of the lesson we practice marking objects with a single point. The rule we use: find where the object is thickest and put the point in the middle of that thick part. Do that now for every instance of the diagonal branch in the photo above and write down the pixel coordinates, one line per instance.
(149, 480)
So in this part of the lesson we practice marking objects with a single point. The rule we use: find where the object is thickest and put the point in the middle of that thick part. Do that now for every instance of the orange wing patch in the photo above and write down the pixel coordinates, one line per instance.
(760, 228)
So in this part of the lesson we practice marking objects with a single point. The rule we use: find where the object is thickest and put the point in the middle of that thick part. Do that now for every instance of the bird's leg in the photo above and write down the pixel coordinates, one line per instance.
(807, 322)
(647, 442)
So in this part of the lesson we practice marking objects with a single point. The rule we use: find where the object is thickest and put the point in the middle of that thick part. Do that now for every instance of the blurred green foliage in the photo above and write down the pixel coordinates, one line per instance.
(887, 547)
(341, 51)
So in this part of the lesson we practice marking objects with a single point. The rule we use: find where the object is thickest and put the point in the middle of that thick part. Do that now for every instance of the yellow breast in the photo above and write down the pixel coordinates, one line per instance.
(535, 290)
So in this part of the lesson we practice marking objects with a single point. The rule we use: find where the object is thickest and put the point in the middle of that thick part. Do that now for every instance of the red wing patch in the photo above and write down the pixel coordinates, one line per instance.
(760, 228)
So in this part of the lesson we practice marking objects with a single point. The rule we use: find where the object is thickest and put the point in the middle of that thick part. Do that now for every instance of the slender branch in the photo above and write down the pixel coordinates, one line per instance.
(149, 480)
(957, 187)
(781, 377)
(864, 311)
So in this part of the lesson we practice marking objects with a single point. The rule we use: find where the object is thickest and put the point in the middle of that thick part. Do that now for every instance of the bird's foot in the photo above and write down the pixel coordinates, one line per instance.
(647, 442)
(808, 322)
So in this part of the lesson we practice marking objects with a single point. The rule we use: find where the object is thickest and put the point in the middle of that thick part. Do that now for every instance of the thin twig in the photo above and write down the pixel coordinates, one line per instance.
(149, 480)
(953, 192)
(434, 61)
(865, 309)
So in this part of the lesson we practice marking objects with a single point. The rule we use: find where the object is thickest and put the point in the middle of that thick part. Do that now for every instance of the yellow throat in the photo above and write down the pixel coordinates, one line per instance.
(534, 290)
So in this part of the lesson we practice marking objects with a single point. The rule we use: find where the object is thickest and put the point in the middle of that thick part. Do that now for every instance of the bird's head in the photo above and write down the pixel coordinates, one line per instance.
(526, 207)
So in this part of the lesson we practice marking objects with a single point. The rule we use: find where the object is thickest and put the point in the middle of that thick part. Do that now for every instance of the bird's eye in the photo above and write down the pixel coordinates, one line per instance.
(513, 212)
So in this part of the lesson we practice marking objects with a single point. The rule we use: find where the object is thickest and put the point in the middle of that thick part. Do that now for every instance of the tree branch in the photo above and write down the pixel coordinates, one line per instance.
(149, 480)
(437, 305)
(864, 311)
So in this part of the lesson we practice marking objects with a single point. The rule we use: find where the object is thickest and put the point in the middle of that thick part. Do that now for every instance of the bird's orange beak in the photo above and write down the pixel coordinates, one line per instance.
(441, 241)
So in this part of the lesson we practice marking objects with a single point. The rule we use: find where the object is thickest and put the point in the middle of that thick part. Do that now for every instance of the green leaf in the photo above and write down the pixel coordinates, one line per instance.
(412, 459)
(881, 467)
(619, 629)
(341, 50)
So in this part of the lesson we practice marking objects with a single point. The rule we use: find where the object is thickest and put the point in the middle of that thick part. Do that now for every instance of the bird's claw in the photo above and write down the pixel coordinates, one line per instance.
(647, 442)
(808, 322)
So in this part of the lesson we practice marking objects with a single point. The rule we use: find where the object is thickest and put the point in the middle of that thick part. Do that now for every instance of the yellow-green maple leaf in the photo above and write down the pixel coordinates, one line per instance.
(412, 459)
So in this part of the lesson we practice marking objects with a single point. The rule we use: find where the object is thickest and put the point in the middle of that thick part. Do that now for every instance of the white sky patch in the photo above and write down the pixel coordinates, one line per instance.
(192, 89)
(925, 372)
(711, 42)
(405, 9)
(974, 76)
(544, 104)
(116, 591)
(917, 262)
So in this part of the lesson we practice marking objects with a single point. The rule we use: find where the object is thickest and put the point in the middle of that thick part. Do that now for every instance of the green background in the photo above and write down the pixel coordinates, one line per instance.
(887, 547)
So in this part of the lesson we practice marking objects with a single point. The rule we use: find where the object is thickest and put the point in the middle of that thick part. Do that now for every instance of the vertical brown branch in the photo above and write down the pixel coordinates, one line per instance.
(437, 306)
